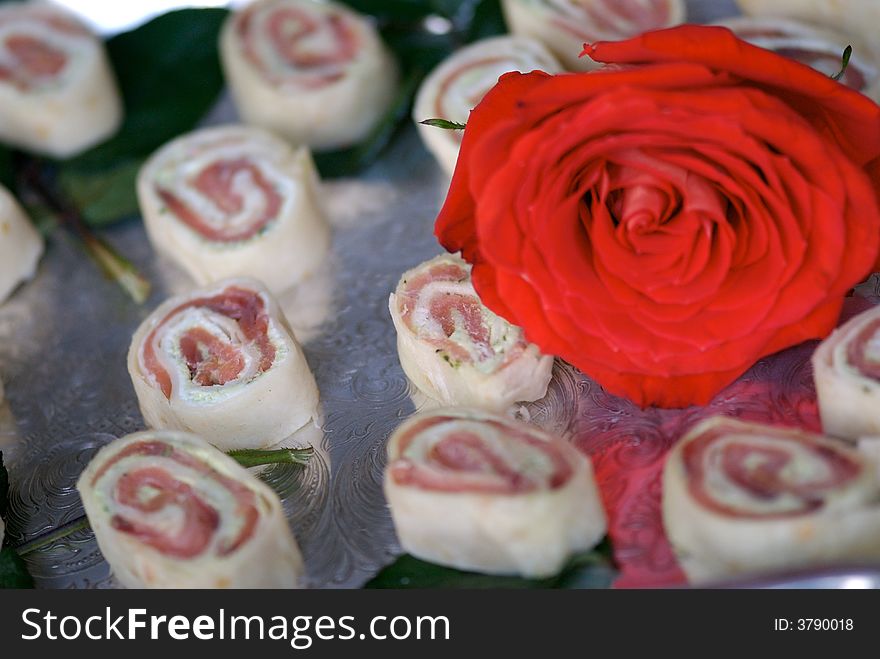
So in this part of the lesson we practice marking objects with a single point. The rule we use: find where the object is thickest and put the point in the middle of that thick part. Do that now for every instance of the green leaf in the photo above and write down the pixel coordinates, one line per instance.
(417, 51)
(43, 217)
(487, 20)
(588, 570)
(169, 74)
(392, 10)
(4, 486)
(445, 124)
(13, 570)
(7, 175)
(348, 162)
(844, 63)
(103, 197)
(170, 77)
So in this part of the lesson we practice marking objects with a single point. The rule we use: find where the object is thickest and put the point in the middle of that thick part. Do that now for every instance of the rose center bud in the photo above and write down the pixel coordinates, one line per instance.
(661, 230)
(642, 209)
(863, 353)
(639, 201)
(646, 208)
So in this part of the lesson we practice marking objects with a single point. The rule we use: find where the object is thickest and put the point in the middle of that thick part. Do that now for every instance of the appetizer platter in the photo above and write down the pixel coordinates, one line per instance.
(292, 310)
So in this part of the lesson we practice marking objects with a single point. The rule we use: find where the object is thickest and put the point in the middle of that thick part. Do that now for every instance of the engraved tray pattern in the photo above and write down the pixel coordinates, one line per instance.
(64, 337)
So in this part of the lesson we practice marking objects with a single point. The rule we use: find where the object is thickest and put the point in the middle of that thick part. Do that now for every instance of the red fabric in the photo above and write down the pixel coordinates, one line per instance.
(666, 222)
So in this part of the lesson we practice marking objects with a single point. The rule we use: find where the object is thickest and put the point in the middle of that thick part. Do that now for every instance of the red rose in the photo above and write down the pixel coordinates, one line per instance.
(665, 223)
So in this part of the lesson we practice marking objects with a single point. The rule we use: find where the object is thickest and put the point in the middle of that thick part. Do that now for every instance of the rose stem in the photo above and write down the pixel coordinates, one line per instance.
(258, 458)
(41, 541)
(244, 457)
(113, 264)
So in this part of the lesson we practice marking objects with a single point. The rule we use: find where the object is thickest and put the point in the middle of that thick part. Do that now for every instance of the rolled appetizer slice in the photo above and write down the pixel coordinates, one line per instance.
(453, 89)
(820, 48)
(171, 511)
(846, 370)
(870, 448)
(315, 72)
(222, 362)
(20, 245)
(481, 492)
(456, 351)
(58, 95)
(743, 498)
(235, 201)
(564, 26)
(852, 17)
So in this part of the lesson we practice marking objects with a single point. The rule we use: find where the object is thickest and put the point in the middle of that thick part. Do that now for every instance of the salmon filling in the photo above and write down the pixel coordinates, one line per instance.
(221, 183)
(145, 493)
(28, 57)
(770, 478)
(212, 360)
(451, 317)
(449, 454)
(309, 48)
(610, 18)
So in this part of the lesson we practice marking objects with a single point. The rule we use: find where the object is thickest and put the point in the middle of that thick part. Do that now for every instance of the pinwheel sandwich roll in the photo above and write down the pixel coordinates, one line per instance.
(818, 47)
(870, 448)
(462, 80)
(564, 26)
(744, 498)
(235, 201)
(454, 349)
(481, 492)
(58, 95)
(171, 511)
(20, 245)
(222, 362)
(846, 370)
(315, 72)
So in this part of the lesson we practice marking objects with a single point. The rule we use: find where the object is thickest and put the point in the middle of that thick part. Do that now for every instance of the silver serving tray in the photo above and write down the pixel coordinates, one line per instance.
(64, 338)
